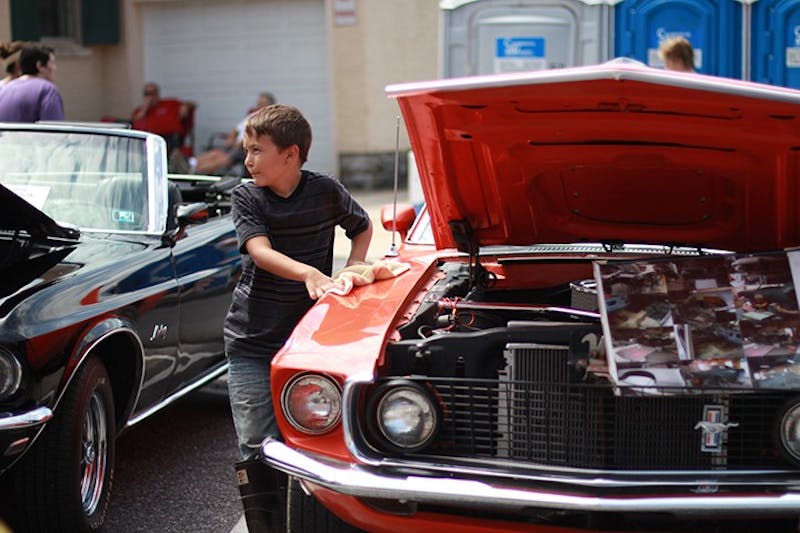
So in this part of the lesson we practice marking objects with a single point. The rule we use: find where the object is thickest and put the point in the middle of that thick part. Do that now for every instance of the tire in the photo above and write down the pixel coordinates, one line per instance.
(64, 482)
(306, 515)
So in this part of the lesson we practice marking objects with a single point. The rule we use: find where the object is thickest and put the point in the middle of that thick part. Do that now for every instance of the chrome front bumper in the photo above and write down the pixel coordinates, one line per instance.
(359, 481)
(29, 419)
(18, 431)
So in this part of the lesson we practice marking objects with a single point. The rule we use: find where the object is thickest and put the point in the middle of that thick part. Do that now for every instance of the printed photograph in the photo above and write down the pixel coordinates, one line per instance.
(680, 326)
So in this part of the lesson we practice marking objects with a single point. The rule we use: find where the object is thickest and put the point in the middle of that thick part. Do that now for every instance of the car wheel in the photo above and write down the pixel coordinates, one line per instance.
(306, 515)
(65, 479)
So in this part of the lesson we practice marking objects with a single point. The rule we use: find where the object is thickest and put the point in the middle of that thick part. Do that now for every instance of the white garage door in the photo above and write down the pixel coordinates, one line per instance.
(221, 54)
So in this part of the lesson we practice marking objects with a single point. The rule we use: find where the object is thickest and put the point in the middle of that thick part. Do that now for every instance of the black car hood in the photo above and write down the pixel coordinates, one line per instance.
(31, 242)
(19, 215)
(80, 269)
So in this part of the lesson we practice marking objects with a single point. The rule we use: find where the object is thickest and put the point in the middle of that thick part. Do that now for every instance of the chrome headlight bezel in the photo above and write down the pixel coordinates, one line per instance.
(10, 374)
(789, 430)
(400, 398)
(319, 388)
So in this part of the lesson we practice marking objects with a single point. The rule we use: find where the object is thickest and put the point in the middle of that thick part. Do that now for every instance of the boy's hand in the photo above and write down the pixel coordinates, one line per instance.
(317, 283)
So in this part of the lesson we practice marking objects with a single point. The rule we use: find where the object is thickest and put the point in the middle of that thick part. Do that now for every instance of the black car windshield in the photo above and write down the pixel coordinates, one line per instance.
(91, 181)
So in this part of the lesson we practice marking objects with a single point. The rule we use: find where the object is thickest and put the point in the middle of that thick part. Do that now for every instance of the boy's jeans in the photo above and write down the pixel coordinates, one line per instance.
(251, 402)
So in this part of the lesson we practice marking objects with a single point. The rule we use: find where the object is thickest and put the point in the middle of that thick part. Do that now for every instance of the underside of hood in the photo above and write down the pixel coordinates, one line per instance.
(609, 153)
(19, 215)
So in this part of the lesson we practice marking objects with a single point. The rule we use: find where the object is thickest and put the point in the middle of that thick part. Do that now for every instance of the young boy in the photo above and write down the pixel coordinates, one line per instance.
(285, 223)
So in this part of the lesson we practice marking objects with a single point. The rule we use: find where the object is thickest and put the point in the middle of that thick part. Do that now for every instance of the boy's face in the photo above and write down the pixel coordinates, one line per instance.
(268, 165)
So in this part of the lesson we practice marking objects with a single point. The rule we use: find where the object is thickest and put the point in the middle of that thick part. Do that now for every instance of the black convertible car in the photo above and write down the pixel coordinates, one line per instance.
(114, 282)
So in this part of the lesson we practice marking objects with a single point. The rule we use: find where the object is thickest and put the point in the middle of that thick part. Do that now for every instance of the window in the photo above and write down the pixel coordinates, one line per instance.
(58, 18)
(88, 22)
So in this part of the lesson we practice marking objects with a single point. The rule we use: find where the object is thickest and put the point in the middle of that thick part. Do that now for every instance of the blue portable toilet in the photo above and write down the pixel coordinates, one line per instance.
(713, 27)
(775, 42)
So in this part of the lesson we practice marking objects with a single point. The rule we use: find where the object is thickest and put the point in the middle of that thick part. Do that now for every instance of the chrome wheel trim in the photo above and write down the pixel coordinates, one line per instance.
(93, 453)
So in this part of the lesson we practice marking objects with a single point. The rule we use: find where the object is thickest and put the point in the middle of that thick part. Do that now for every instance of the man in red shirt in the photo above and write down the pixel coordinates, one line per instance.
(165, 117)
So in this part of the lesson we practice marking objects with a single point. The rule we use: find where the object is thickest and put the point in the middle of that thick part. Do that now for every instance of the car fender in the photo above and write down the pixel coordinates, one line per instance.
(90, 342)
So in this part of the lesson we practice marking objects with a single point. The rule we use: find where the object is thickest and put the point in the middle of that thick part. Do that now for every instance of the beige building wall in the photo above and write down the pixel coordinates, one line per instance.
(100, 81)
(5, 21)
(391, 41)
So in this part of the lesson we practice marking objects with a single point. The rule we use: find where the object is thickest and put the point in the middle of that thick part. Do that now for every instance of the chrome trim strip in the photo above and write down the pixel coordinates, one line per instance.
(602, 478)
(348, 398)
(193, 177)
(104, 128)
(359, 481)
(156, 180)
(32, 418)
(177, 395)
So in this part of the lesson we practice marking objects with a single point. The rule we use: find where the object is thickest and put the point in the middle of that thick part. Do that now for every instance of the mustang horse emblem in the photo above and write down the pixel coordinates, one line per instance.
(712, 428)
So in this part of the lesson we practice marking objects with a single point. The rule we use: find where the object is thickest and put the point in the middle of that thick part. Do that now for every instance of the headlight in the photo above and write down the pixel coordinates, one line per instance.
(790, 430)
(406, 415)
(10, 374)
(312, 403)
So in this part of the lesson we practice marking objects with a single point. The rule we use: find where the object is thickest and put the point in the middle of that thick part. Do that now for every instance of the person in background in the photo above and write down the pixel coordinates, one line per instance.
(221, 160)
(285, 222)
(165, 117)
(9, 52)
(677, 54)
(32, 96)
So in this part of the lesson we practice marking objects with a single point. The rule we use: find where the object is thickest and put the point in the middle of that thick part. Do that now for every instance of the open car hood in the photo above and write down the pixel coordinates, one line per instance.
(19, 215)
(618, 152)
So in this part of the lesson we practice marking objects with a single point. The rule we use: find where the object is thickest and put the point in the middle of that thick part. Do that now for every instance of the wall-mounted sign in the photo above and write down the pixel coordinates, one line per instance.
(344, 12)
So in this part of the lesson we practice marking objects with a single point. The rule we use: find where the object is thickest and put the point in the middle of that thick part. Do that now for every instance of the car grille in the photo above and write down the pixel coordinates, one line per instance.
(534, 413)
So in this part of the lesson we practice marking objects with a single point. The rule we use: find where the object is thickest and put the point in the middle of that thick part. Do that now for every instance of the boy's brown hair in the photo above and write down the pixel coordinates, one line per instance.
(677, 49)
(285, 125)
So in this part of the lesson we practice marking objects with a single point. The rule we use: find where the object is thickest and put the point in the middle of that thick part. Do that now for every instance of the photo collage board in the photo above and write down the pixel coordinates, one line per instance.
(678, 326)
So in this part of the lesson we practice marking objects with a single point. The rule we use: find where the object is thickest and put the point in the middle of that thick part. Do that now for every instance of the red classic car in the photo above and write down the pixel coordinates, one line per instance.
(499, 383)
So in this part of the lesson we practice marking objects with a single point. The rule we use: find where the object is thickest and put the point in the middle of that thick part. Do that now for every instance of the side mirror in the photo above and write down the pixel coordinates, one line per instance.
(194, 213)
(187, 214)
(401, 220)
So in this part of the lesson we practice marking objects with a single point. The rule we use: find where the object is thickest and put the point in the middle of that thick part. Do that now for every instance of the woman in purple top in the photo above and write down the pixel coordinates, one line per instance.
(33, 96)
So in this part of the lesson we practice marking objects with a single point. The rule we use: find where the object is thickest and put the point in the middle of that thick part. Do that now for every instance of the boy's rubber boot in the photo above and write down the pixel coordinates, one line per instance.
(263, 494)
